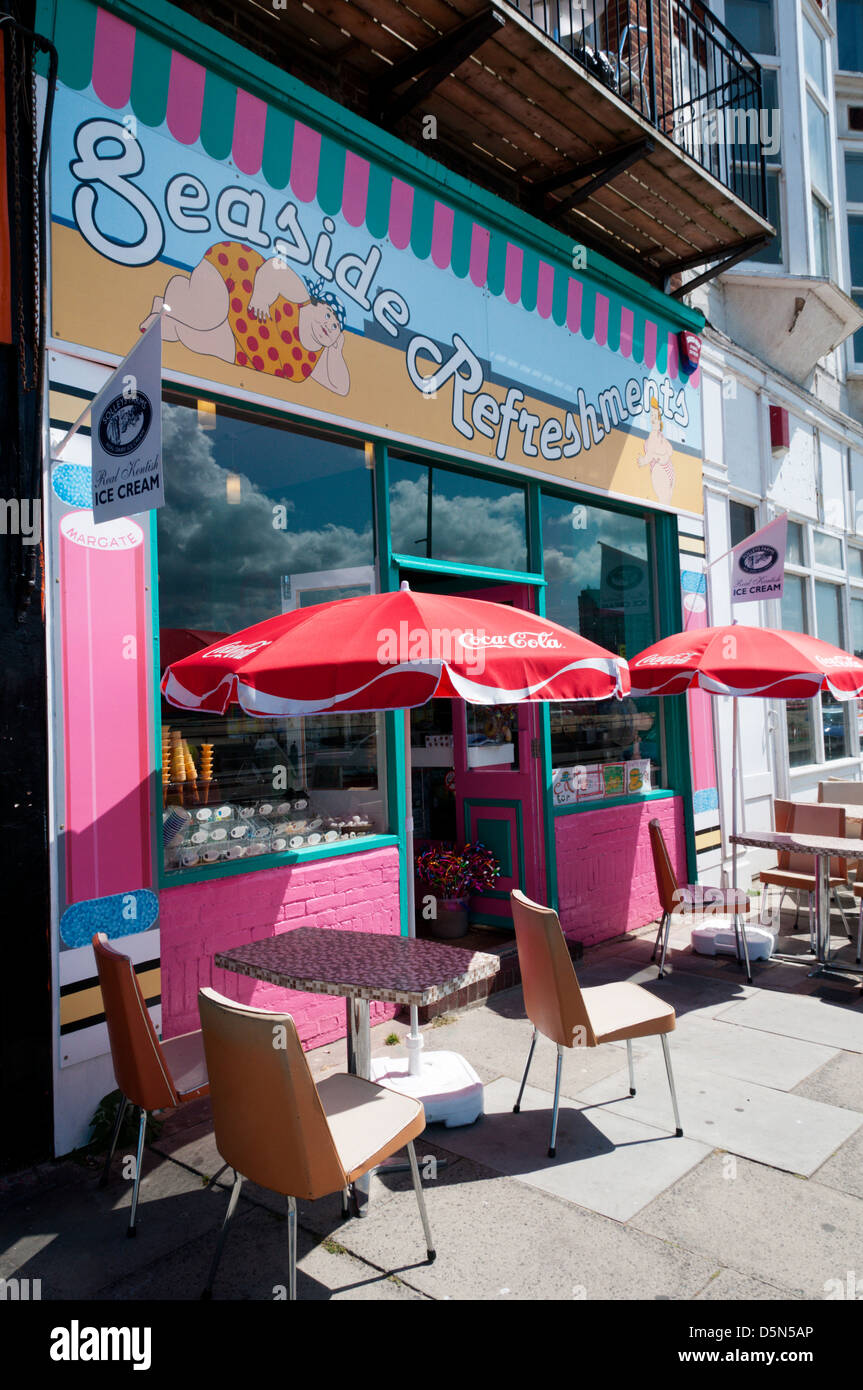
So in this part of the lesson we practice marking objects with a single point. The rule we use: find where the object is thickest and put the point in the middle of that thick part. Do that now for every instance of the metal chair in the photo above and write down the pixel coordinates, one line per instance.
(695, 898)
(797, 871)
(574, 1017)
(152, 1075)
(274, 1126)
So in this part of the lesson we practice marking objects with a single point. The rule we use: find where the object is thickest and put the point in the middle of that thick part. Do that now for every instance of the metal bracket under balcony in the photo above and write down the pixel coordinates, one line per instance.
(427, 67)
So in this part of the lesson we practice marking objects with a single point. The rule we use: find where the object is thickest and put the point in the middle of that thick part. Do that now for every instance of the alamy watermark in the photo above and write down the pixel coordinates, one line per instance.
(742, 127)
(21, 518)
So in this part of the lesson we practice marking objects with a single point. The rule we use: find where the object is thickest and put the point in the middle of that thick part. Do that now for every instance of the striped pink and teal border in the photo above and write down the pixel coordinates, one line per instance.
(130, 68)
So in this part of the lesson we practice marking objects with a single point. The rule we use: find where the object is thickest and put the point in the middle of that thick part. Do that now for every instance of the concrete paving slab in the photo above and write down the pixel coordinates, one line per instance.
(730, 1284)
(781, 1229)
(838, 1082)
(845, 1169)
(497, 1238)
(497, 1045)
(710, 1045)
(605, 1161)
(74, 1238)
(254, 1266)
(801, 1016)
(756, 1122)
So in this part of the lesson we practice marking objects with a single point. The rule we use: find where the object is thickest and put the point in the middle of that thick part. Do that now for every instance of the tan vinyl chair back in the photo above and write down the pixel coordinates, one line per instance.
(552, 997)
(847, 793)
(666, 879)
(810, 819)
(139, 1066)
(269, 1122)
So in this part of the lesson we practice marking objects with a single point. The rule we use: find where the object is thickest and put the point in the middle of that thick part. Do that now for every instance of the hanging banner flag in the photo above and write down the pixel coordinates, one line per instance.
(126, 429)
(758, 563)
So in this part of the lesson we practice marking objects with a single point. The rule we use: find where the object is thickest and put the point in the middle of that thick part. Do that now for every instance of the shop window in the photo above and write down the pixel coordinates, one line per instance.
(827, 550)
(598, 565)
(741, 520)
(834, 713)
(798, 713)
(849, 25)
(260, 518)
(440, 514)
(794, 547)
(751, 23)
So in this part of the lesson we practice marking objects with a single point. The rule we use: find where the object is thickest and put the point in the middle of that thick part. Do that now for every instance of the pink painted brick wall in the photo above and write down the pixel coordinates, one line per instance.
(605, 871)
(358, 892)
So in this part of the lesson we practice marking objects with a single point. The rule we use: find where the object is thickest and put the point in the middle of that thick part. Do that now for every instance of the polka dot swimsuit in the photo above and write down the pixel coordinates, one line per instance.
(273, 347)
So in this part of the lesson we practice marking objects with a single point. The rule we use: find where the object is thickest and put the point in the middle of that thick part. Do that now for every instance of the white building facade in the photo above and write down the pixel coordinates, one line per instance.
(783, 398)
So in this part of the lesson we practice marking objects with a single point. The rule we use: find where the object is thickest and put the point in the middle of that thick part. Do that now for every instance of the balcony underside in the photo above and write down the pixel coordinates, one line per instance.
(518, 112)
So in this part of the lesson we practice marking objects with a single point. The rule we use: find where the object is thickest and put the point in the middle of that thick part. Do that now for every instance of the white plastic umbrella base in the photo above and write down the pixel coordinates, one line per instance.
(447, 1085)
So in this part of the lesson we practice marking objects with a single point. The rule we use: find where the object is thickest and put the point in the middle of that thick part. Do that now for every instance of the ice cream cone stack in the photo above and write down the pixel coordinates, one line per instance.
(191, 772)
(206, 771)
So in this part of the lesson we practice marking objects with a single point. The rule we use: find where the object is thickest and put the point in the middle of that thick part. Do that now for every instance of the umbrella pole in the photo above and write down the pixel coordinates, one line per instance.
(413, 1042)
(738, 930)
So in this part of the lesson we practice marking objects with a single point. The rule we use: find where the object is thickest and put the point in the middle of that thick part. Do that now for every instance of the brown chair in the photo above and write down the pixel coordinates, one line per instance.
(152, 1075)
(574, 1017)
(697, 899)
(274, 1126)
(796, 871)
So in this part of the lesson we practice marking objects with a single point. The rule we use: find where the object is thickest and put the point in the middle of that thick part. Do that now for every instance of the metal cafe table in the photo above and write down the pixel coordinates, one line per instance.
(361, 966)
(824, 848)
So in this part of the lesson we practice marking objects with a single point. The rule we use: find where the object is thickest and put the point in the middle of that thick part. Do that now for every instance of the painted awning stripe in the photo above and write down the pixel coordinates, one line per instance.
(442, 230)
(133, 68)
(185, 99)
(250, 119)
(113, 57)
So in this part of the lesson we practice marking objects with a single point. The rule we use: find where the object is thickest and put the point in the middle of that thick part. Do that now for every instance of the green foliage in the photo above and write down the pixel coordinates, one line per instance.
(104, 1119)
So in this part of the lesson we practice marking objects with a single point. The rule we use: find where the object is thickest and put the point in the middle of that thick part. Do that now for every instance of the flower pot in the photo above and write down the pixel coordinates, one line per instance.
(451, 920)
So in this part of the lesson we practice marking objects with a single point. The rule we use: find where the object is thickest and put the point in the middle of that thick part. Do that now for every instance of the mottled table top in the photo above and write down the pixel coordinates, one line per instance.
(364, 965)
(800, 842)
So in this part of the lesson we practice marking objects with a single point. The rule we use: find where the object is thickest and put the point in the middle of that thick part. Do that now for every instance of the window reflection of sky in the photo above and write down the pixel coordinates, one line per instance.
(221, 563)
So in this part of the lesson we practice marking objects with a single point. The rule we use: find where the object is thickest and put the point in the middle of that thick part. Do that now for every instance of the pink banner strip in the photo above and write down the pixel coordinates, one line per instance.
(512, 272)
(185, 99)
(355, 195)
(480, 241)
(573, 306)
(650, 332)
(401, 214)
(305, 162)
(113, 56)
(544, 289)
(442, 227)
(627, 331)
(250, 119)
(673, 356)
(600, 322)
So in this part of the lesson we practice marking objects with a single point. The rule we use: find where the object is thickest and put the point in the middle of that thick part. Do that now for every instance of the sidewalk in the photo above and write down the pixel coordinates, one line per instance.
(761, 1199)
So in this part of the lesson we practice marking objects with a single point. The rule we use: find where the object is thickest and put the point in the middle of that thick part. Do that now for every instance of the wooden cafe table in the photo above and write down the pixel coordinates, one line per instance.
(824, 848)
(361, 966)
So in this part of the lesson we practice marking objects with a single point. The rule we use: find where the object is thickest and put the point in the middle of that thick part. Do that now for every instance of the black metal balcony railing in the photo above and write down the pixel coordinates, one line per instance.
(679, 68)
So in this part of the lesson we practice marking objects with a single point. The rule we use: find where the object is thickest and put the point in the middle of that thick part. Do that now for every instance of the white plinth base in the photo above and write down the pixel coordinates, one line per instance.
(448, 1086)
(718, 939)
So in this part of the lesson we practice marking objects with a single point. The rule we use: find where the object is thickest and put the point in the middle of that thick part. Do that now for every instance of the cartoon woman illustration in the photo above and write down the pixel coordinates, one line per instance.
(657, 451)
(261, 314)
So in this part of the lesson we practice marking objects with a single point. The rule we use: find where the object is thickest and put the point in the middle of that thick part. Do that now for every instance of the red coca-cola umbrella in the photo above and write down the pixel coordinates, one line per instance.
(746, 661)
(395, 651)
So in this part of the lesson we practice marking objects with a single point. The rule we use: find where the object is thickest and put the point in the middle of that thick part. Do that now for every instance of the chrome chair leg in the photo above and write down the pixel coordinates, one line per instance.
(664, 945)
(631, 1066)
(860, 933)
(659, 935)
(291, 1203)
(666, 1052)
(421, 1202)
(118, 1122)
(216, 1176)
(217, 1255)
(139, 1159)
(552, 1148)
(848, 932)
(517, 1106)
